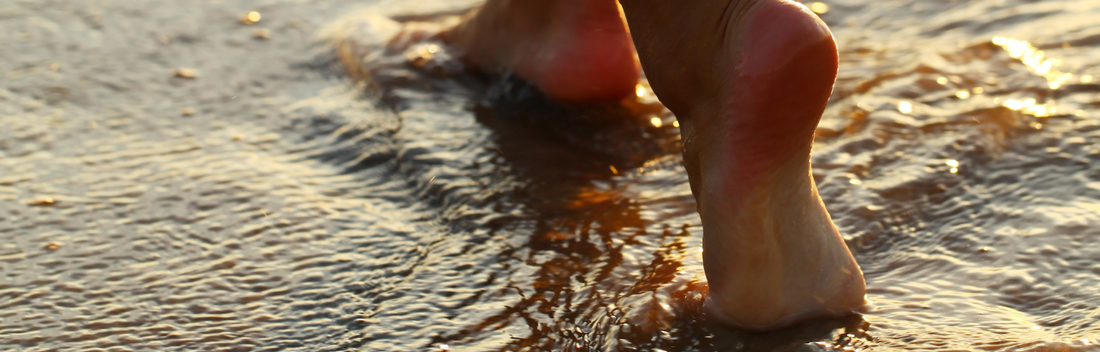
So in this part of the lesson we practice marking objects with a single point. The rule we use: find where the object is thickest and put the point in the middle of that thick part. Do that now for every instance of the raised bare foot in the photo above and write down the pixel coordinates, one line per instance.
(748, 80)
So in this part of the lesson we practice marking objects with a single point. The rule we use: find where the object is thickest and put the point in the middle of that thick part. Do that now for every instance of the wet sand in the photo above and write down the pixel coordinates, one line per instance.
(272, 201)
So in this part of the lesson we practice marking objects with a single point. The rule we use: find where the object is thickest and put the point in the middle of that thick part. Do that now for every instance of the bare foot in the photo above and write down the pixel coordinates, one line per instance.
(572, 50)
(748, 80)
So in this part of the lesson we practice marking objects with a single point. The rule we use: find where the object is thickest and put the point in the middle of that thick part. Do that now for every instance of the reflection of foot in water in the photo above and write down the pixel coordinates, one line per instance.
(748, 80)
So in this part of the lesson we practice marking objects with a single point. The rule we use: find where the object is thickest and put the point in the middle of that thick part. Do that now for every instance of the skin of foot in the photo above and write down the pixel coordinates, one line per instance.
(748, 81)
(572, 50)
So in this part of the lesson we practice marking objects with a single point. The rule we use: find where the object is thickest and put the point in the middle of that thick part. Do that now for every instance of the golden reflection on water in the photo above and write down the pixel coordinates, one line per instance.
(1032, 57)
(1029, 106)
(1037, 61)
(905, 107)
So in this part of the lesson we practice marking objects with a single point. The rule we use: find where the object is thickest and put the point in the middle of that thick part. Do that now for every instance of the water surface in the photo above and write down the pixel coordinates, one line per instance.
(276, 202)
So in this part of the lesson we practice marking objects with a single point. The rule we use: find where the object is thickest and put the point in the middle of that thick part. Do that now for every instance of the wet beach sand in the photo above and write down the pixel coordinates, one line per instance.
(175, 176)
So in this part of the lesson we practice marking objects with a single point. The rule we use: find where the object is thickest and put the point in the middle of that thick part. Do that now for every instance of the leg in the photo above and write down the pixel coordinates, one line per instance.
(748, 80)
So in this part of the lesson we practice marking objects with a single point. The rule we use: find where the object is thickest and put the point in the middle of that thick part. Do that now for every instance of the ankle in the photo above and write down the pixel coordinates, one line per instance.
(771, 252)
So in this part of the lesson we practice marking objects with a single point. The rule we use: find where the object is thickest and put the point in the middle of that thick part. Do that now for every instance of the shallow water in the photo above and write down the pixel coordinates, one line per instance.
(295, 209)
